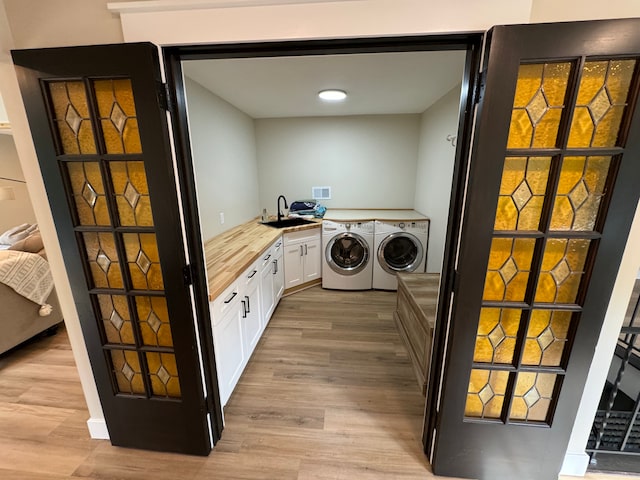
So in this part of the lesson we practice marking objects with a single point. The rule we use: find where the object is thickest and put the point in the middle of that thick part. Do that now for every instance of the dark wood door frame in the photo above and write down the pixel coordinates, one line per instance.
(470, 92)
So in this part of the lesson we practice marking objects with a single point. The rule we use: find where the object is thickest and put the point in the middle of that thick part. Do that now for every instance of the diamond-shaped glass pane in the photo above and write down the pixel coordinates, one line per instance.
(561, 272)
(497, 335)
(143, 262)
(73, 119)
(522, 195)
(132, 195)
(116, 320)
(154, 322)
(537, 108)
(545, 338)
(89, 194)
(509, 270)
(163, 375)
(118, 117)
(531, 397)
(103, 261)
(486, 394)
(600, 105)
(579, 195)
(128, 372)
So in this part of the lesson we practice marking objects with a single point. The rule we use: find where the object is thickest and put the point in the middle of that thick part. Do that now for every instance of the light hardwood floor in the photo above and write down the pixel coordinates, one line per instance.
(328, 394)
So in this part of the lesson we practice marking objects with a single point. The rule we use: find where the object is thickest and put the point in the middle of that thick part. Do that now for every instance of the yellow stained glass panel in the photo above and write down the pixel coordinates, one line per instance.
(127, 371)
(153, 317)
(132, 193)
(71, 117)
(563, 264)
(117, 111)
(496, 339)
(164, 374)
(485, 396)
(538, 105)
(508, 269)
(143, 260)
(522, 189)
(88, 193)
(601, 103)
(546, 338)
(103, 259)
(116, 319)
(580, 192)
(532, 396)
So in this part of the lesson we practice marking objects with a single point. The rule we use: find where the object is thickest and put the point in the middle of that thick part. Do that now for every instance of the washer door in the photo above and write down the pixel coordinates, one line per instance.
(400, 252)
(347, 253)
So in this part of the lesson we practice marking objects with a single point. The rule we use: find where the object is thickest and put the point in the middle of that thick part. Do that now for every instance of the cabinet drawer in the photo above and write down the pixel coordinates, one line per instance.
(302, 236)
(251, 275)
(225, 302)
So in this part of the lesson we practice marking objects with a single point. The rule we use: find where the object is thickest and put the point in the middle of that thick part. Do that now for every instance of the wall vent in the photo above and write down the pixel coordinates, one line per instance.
(321, 193)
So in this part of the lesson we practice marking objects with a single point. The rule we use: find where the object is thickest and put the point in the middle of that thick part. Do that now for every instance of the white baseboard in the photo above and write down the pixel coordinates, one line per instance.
(575, 463)
(98, 428)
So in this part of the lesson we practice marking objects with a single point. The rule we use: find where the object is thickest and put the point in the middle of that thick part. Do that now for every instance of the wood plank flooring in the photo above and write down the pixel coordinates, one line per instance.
(329, 394)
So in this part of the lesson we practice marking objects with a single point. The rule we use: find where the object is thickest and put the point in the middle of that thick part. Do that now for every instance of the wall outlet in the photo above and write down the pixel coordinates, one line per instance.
(221, 218)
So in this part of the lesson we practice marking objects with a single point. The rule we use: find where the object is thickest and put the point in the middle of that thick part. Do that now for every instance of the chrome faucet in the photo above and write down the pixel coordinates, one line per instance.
(280, 215)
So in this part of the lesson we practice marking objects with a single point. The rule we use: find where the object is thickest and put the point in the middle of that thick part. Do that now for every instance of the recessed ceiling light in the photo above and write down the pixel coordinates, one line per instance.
(332, 95)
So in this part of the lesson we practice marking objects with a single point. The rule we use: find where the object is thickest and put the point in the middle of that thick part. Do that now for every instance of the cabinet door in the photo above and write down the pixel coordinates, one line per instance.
(312, 260)
(251, 321)
(293, 265)
(227, 340)
(267, 298)
(278, 279)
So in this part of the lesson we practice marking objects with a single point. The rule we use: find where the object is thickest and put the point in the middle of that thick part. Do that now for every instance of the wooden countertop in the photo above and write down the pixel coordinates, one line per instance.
(232, 252)
(355, 215)
(423, 288)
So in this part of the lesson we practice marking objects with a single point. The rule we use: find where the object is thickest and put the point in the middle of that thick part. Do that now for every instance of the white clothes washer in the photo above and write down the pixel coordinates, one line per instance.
(399, 247)
(347, 260)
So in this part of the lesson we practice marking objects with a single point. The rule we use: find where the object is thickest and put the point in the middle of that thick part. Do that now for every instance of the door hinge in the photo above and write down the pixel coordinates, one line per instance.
(187, 274)
(455, 281)
(480, 84)
(164, 96)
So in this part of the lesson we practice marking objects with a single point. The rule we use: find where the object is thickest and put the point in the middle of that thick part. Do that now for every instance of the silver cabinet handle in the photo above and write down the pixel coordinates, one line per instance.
(301, 251)
(305, 248)
(248, 303)
(252, 274)
(244, 310)
(275, 266)
(267, 257)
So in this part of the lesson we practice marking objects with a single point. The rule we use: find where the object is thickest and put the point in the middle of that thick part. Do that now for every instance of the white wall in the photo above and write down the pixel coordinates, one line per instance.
(572, 10)
(224, 157)
(369, 161)
(436, 159)
(20, 210)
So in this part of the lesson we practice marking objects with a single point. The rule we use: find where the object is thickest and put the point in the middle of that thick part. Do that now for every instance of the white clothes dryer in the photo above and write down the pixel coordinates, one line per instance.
(347, 260)
(399, 247)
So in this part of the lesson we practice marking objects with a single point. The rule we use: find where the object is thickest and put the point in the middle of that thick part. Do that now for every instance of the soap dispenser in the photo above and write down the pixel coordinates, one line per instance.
(265, 216)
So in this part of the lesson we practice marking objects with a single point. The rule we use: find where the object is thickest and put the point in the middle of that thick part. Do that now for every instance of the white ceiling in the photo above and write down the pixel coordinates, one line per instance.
(377, 83)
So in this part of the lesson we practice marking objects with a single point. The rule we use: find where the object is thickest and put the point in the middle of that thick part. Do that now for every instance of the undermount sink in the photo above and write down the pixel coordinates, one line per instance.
(288, 222)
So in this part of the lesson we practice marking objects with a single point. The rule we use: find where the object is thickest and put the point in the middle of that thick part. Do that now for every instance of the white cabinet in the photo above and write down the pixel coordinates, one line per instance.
(271, 280)
(240, 315)
(227, 340)
(302, 257)
(251, 312)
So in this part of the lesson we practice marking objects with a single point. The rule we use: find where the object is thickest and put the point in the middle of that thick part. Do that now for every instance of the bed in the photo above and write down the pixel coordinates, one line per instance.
(20, 317)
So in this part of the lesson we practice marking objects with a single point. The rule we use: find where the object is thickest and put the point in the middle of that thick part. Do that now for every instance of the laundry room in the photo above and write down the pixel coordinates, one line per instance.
(258, 130)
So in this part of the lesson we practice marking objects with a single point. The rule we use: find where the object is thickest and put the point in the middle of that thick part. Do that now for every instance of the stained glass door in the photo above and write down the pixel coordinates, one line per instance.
(103, 146)
(553, 186)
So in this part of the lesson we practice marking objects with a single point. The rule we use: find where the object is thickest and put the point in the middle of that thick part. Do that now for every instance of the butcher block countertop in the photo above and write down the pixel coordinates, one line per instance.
(232, 252)
(356, 215)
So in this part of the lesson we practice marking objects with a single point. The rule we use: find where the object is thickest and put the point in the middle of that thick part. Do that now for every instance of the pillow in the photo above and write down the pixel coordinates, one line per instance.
(14, 234)
(32, 244)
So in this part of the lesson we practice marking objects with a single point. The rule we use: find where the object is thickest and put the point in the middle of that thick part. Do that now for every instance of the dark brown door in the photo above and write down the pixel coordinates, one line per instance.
(102, 142)
(552, 189)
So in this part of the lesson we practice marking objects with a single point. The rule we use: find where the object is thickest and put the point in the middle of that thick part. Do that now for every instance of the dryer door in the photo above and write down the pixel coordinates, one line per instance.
(347, 253)
(400, 252)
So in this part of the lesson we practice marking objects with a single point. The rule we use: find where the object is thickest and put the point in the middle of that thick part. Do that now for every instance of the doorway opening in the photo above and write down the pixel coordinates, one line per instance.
(250, 128)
